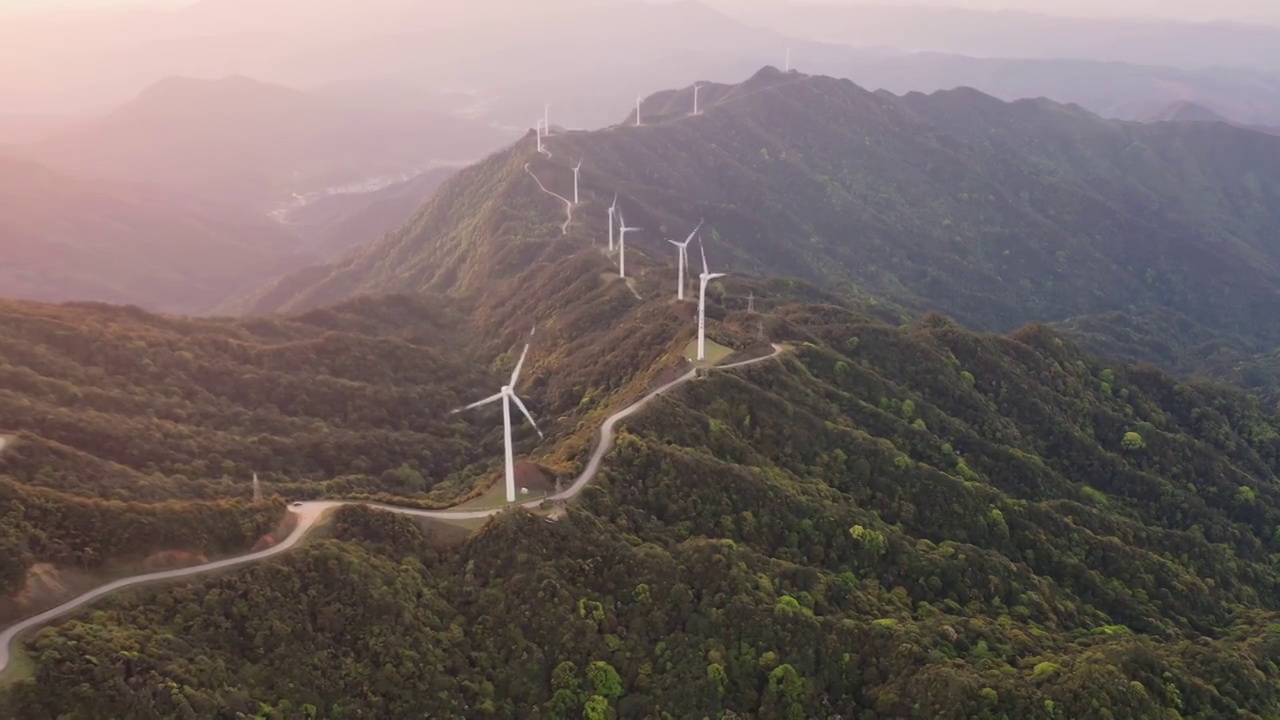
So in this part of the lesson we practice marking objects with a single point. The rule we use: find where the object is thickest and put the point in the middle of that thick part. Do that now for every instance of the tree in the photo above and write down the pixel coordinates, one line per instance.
(604, 679)
(718, 678)
(1132, 441)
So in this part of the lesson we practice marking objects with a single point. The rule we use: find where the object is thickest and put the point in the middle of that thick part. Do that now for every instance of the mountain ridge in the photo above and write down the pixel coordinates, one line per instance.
(922, 148)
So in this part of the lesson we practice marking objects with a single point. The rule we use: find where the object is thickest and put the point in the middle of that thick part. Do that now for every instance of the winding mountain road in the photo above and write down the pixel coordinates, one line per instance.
(568, 206)
(309, 513)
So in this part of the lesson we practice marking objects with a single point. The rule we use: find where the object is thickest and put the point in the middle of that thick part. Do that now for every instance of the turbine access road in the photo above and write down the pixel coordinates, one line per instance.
(568, 206)
(309, 513)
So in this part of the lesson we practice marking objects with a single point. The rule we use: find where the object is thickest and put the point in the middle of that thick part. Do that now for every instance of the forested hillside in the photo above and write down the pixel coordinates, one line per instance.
(904, 522)
(899, 517)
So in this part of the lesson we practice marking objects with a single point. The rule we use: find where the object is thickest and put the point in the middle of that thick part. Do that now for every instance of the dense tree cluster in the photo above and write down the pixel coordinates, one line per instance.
(38, 525)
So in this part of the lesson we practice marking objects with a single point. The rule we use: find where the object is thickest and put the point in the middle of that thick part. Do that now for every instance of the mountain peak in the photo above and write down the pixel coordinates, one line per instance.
(1187, 111)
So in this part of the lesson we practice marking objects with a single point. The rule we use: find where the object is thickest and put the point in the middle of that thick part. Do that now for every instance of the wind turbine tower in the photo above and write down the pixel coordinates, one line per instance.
(257, 489)
(577, 172)
(613, 211)
(507, 395)
(706, 277)
(622, 244)
(751, 303)
(696, 88)
(538, 127)
(682, 260)
(639, 98)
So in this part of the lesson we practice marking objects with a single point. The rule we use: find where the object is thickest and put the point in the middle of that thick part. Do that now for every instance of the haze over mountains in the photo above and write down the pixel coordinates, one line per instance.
(66, 238)
(593, 57)
(240, 140)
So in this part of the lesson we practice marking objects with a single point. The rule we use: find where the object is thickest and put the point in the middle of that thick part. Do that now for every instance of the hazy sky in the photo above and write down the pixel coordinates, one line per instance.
(1255, 10)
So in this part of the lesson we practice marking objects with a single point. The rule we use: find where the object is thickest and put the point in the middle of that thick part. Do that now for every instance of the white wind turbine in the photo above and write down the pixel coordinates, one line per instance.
(613, 211)
(696, 88)
(538, 127)
(577, 172)
(706, 277)
(639, 98)
(508, 395)
(622, 243)
(683, 260)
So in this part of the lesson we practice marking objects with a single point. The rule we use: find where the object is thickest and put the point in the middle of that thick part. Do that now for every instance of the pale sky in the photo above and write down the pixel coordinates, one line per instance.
(1249, 10)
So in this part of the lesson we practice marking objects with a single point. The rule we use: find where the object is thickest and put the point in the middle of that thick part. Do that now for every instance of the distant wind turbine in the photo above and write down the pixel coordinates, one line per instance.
(538, 127)
(508, 395)
(696, 88)
(577, 172)
(639, 98)
(683, 260)
(706, 277)
(613, 211)
(751, 303)
(622, 243)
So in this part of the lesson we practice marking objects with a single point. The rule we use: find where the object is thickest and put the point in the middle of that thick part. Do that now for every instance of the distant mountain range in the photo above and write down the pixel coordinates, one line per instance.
(67, 238)
(257, 144)
(1184, 111)
(1019, 34)
(591, 57)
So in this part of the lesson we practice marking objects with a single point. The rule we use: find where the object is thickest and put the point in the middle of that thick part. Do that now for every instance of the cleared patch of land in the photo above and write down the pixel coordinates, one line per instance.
(716, 353)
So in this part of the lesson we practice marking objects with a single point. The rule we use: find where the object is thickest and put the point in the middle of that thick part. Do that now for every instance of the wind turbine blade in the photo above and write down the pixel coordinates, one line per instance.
(515, 374)
(614, 206)
(475, 405)
(695, 232)
(525, 410)
(703, 250)
(673, 242)
(716, 276)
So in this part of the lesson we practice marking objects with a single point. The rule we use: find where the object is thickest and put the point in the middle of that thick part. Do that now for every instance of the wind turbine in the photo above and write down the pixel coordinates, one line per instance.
(546, 117)
(613, 210)
(683, 260)
(538, 127)
(622, 243)
(577, 171)
(696, 88)
(706, 277)
(508, 395)
(639, 98)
